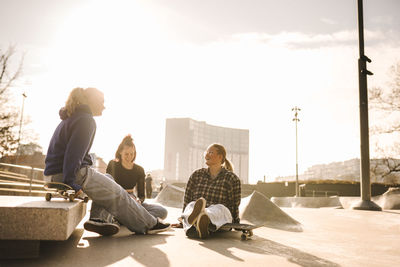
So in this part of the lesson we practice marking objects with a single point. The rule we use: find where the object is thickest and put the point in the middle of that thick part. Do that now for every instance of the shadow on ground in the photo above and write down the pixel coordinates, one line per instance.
(262, 246)
(99, 250)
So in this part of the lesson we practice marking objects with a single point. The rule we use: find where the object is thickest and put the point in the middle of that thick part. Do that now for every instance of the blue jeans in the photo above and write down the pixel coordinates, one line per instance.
(110, 199)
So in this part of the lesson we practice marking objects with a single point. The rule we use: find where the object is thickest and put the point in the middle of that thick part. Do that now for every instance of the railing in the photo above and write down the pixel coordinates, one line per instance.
(33, 172)
(321, 193)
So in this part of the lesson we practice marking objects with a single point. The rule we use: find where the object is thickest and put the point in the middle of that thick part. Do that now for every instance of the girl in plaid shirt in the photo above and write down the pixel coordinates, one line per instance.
(212, 195)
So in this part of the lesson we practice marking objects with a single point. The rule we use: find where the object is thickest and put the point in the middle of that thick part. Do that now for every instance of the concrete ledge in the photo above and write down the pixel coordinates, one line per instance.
(34, 218)
(306, 202)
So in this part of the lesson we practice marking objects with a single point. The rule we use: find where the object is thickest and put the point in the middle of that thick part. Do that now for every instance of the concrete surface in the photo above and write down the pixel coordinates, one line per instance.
(329, 237)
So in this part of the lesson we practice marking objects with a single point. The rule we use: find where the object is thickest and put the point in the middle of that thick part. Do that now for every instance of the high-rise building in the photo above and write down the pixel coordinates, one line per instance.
(187, 139)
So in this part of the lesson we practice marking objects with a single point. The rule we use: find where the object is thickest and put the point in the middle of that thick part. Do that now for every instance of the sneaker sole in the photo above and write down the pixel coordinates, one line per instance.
(198, 208)
(152, 232)
(105, 229)
(202, 225)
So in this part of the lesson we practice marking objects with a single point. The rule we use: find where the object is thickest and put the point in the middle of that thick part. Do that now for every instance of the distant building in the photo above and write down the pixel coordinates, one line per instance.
(187, 139)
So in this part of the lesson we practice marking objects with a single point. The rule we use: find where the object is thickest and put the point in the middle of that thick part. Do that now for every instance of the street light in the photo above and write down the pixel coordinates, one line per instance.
(296, 119)
(365, 182)
(20, 122)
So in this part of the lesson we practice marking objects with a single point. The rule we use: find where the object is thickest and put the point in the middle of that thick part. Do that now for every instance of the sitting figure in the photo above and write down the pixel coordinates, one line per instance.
(68, 161)
(130, 175)
(212, 195)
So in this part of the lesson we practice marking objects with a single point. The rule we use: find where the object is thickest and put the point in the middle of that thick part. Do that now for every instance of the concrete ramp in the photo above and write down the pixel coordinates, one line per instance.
(390, 200)
(171, 196)
(259, 210)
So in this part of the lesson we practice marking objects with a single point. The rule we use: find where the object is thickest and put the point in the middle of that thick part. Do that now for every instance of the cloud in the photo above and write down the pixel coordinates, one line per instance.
(329, 21)
(302, 40)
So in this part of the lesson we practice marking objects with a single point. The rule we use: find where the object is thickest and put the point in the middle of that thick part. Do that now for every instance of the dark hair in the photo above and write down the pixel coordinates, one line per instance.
(222, 151)
(127, 141)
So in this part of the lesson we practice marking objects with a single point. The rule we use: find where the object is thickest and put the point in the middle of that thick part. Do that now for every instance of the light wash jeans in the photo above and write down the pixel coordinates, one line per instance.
(218, 214)
(110, 199)
(98, 212)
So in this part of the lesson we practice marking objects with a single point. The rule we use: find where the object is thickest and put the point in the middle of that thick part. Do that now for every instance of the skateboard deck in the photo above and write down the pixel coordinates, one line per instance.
(247, 229)
(57, 189)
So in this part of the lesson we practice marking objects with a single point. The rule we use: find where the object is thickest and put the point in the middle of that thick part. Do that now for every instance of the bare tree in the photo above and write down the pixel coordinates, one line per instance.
(385, 104)
(9, 73)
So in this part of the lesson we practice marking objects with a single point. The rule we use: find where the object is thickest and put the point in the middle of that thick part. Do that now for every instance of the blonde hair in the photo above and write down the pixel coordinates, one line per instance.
(78, 96)
(222, 151)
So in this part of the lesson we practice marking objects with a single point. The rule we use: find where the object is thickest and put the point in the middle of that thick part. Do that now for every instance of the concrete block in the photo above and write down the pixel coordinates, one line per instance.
(34, 218)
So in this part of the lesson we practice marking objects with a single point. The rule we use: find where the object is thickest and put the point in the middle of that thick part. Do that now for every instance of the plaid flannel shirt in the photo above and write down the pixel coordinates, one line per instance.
(225, 189)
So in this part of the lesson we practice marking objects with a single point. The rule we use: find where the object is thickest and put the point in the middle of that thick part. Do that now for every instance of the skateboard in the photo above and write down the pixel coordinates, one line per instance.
(247, 229)
(61, 190)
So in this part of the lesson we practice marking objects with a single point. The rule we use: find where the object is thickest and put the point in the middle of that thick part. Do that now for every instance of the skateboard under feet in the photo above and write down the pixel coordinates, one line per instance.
(247, 229)
(61, 190)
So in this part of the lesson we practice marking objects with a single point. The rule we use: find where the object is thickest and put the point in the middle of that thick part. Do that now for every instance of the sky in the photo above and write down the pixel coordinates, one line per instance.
(237, 64)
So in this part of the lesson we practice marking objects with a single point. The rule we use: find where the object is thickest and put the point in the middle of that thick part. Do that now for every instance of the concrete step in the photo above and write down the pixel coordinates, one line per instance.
(12, 174)
(19, 178)
(21, 192)
(25, 221)
(17, 185)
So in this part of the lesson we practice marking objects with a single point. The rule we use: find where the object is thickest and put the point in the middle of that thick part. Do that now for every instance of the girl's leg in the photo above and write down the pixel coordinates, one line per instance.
(109, 195)
(219, 215)
(157, 211)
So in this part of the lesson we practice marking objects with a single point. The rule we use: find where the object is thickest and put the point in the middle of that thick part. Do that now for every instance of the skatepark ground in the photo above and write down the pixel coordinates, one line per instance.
(322, 237)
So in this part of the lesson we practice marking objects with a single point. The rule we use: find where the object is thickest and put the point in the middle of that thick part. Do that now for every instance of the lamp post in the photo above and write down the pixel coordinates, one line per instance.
(365, 183)
(20, 122)
(296, 119)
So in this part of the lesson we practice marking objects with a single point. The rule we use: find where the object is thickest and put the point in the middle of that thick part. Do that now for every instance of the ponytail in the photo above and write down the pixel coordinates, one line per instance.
(228, 165)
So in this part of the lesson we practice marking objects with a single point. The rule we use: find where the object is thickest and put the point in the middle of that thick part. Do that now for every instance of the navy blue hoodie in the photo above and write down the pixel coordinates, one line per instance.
(69, 147)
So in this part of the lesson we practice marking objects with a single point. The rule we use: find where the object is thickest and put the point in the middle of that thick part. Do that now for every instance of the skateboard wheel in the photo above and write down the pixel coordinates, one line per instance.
(243, 237)
(250, 232)
(71, 197)
(48, 196)
(86, 199)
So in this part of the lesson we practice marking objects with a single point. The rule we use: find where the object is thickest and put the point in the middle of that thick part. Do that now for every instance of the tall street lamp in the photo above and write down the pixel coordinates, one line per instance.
(296, 119)
(365, 183)
(20, 122)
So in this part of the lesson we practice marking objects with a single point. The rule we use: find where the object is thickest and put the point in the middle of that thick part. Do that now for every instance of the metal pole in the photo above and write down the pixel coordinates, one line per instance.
(22, 116)
(20, 125)
(365, 183)
(296, 119)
